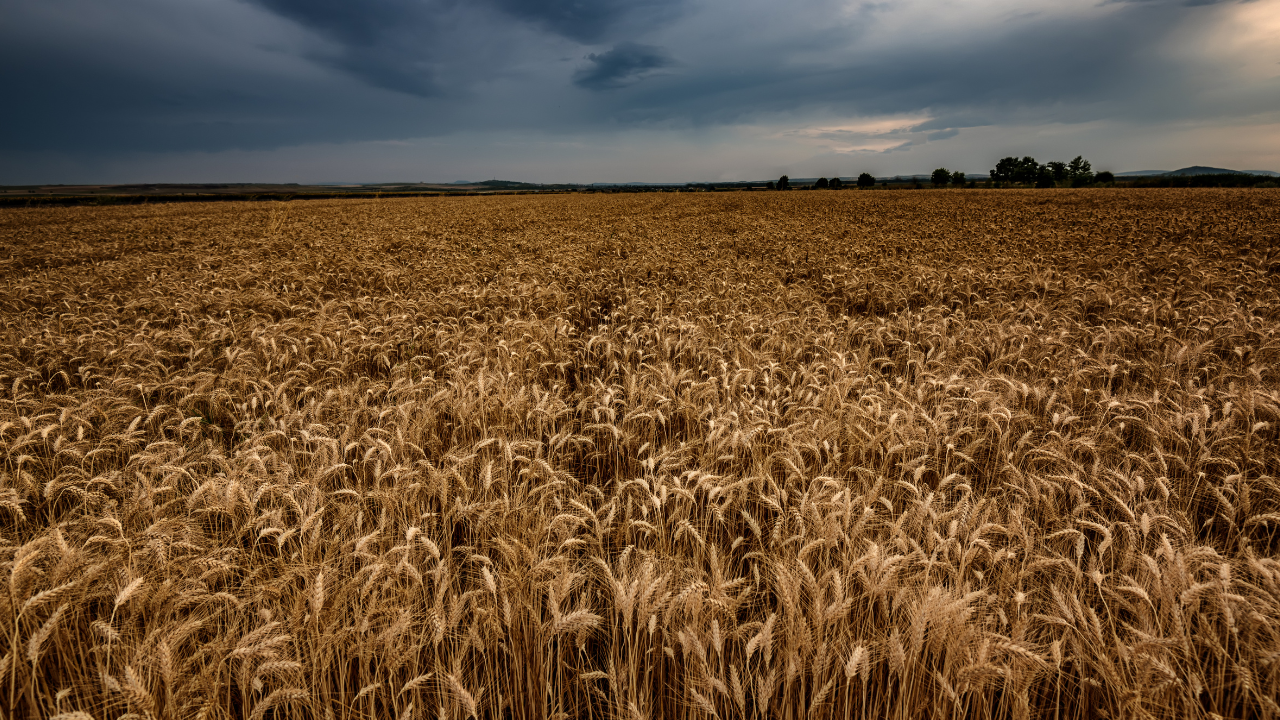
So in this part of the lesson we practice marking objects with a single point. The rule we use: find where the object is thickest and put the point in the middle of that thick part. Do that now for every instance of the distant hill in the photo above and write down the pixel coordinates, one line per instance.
(1195, 170)
(1203, 170)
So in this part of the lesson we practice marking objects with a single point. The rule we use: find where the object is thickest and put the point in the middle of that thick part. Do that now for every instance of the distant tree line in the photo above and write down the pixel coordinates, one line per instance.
(1026, 171)
(1213, 180)
(865, 180)
(942, 177)
(1009, 172)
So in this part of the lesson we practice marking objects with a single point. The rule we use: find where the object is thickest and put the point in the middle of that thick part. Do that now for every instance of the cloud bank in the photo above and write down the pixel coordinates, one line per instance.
(115, 91)
(626, 64)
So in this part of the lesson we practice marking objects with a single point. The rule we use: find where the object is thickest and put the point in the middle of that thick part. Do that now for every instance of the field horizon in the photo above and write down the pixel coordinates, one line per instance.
(945, 454)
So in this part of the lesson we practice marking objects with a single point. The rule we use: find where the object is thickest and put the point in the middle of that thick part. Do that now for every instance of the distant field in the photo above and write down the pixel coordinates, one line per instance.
(746, 455)
(27, 196)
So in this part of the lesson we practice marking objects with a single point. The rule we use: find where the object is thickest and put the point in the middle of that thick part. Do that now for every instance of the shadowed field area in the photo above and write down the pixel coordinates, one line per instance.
(750, 455)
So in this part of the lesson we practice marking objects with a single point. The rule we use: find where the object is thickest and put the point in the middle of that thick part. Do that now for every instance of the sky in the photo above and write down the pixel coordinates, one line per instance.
(314, 91)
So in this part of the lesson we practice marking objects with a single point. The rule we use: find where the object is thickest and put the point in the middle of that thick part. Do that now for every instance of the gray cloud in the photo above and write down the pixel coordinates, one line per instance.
(590, 21)
(626, 64)
(84, 79)
(357, 23)
(1067, 66)
(140, 94)
(401, 44)
(388, 43)
(964, 118)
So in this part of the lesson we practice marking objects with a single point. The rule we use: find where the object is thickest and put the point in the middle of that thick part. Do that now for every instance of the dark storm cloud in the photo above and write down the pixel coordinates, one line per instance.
(388, 43)
(590, 21)
(83, 77)
(396, 44)
(625, 64)
(1066, 66)
(368, 21)
(358, 23)
(155, 76)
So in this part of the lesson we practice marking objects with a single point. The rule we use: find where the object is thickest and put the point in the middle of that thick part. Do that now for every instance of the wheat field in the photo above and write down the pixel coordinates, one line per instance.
(940, 454)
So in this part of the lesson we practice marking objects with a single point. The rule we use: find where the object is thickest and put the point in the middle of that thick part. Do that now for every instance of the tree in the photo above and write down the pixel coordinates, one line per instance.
(836, 184)
(1028, 170)
(1058, 169)
(769, 185)
(1005, 170)
(1080, 172)
(822, 184)
(957, 178)
(1106, 176)
(784, 183)
(940, 177)
(1012, 169)
(1044, 177)
(866, 180)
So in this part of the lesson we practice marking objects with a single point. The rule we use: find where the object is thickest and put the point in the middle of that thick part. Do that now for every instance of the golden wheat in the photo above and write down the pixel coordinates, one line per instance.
(942, 454)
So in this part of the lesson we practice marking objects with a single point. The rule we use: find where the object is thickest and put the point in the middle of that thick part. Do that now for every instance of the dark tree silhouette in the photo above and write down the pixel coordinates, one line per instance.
(1028, 170)
(1003, 171)
(1106, 176)
(1080, 171)
(769, 185)
(1012, 169)
(836, 184)
(866, 180)
(784, 183)
(957, 178)
(822, 184)
(940, 177)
